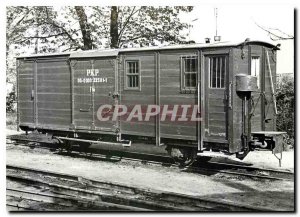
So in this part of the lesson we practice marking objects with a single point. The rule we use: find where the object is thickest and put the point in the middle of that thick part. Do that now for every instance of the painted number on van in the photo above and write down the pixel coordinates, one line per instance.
(92, 76)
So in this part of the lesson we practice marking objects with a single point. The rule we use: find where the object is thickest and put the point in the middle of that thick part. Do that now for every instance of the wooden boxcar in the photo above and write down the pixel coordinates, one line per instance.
(61, 94)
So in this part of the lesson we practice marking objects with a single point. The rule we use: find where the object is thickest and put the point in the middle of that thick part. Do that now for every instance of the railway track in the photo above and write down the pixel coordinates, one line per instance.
(241, 171)
(204, 168)
(40, 190)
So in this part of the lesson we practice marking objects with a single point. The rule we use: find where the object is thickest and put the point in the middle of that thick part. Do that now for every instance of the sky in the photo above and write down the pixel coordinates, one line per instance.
(238, 22)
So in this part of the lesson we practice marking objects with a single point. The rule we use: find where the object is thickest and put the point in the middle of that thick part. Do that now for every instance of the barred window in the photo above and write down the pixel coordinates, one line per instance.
(217, 71)
(189, 72)
(132, 75)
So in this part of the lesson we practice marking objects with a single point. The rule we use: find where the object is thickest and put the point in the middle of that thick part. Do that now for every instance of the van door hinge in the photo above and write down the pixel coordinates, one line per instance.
(32, 94)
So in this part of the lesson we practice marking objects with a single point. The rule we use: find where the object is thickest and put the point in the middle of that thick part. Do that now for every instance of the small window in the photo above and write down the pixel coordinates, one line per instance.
(255, 69)
(189, 72)
(132, 75)
(217, 71)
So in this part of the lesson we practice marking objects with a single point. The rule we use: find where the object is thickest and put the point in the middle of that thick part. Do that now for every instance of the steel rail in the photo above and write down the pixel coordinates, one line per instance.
(154, 200)
(66, 200)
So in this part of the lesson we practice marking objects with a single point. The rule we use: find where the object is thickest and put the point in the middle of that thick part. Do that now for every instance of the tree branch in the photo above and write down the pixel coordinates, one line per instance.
(43, 37)
(274, 36)
(126, 22)
(275, 29)
(18, 23)
(131, 39)
(51, 22)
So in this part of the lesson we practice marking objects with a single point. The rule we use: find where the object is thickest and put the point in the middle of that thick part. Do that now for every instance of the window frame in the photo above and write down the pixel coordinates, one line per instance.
(209, 70)
(126, 74)
(183, 58)
(260, 69)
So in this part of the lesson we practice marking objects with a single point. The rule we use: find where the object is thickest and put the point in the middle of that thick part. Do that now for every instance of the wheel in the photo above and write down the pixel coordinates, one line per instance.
(182, 156)
(68, 147)
(59, 143)
(63, 145)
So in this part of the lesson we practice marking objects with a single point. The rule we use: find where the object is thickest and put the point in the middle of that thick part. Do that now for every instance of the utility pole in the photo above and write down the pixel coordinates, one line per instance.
(216, 15)
(217, 38)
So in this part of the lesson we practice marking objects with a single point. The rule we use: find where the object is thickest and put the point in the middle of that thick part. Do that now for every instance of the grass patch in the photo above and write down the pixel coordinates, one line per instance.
(11, 120)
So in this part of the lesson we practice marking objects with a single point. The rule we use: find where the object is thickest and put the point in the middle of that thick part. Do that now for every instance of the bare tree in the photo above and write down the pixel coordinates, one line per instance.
(275, 33)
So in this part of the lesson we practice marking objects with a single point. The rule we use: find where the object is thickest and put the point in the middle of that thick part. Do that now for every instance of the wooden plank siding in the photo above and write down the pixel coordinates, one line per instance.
(53, 93)
(25, 88)
(262, 100)
(240, 65)
(255, 106)
(270, 123)
(170, 94)
(104, 91)
(87, 101)
(215, 107)
(143, 96)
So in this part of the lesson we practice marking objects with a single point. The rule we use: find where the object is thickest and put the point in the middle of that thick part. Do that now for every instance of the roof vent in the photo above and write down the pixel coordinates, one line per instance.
(217, 38)
(207, 40)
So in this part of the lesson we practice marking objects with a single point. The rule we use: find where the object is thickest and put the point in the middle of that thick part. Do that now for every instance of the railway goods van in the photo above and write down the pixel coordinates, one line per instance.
(193, 99)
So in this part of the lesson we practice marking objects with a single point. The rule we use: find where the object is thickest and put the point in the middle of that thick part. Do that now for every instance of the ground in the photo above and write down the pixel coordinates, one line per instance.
(277, 195)
(265, 159)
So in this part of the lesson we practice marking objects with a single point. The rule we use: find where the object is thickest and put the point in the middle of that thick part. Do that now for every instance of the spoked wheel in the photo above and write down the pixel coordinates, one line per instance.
(68, 146)
(59, 144)
(182, 156)
(63, 145)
